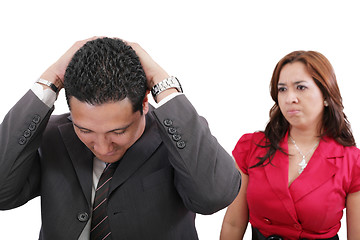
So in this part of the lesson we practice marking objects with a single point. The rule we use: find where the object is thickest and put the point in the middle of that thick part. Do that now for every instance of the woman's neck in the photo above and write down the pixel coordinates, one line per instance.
(305, 136)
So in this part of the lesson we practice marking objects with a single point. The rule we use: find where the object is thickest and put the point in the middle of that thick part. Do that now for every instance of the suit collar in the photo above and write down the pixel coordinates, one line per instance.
(81, 157)
(138, 153)
(320, 168)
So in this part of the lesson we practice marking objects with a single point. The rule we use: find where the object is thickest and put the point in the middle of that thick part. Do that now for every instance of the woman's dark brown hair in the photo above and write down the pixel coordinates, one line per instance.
(334, 121)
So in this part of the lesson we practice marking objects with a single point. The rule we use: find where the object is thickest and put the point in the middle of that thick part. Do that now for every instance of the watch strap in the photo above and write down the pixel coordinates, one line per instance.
(170, 82)
(49, 84)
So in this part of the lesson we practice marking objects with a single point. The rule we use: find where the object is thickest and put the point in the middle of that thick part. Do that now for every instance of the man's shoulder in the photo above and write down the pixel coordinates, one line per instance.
(57, 120)
(60, 119)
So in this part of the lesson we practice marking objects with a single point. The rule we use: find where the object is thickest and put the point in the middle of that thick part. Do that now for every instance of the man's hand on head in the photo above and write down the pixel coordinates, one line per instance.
(153, 71)
(55, 73)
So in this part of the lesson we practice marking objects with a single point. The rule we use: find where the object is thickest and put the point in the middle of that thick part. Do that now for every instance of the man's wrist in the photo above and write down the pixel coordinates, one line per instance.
(168, 85)
(46, 95)
(53, 78)
(158, 78)
(49, 84)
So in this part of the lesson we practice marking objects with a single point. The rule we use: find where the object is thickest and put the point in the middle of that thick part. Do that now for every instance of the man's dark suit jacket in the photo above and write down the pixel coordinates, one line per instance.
(176, 169)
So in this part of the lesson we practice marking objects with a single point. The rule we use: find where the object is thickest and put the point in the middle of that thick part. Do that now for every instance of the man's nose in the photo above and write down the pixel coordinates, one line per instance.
(103, 145)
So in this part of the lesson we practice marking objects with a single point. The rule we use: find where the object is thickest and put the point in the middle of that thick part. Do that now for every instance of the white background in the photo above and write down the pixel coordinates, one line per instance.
(223, 52)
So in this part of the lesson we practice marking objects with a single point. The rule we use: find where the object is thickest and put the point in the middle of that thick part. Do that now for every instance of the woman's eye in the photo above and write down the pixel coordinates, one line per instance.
(281, 89)
(301, 87)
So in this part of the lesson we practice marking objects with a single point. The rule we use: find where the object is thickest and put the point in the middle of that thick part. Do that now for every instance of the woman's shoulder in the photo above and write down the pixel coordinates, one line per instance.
(353, 151)
(246, 150)
(351, 165)
(249, 141)
(254, 137)
(338, 149)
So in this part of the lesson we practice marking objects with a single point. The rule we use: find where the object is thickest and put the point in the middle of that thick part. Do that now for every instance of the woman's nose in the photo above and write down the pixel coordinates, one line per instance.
(291, 97)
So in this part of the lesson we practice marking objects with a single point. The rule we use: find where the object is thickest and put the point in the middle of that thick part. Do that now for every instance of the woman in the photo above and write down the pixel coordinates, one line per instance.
(300, 173)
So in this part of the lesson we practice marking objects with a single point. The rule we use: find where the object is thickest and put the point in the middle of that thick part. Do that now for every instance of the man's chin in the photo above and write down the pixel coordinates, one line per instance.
(109, 159)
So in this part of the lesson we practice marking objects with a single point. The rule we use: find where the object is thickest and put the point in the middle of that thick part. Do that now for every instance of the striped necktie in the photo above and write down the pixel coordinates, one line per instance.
(100, 227)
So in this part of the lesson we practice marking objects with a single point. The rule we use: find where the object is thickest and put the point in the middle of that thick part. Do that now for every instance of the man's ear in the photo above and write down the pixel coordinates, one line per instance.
(145, 103)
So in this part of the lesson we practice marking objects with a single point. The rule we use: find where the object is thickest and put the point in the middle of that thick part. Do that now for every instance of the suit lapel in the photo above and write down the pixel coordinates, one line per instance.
(137, 154)
(320, 169)
(81, 157)
(277, 176)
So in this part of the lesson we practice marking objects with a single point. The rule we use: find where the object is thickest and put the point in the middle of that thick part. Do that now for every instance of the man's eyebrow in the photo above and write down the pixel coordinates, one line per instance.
(113, 130)
(120, 129)
(81, 127)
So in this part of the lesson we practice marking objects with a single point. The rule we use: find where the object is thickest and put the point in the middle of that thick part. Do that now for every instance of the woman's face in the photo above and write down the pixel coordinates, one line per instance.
(300, 99)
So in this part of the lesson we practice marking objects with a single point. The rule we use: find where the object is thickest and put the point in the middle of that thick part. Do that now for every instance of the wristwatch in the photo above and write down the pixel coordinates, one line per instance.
(49, 84)
(170, 82)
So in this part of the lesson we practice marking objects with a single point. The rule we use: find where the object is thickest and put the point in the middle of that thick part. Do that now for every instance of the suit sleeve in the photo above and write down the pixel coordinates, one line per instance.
(205, 174)
(20, 137)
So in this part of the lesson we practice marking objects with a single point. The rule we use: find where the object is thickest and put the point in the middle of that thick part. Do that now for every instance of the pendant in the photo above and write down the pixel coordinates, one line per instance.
(302, 165)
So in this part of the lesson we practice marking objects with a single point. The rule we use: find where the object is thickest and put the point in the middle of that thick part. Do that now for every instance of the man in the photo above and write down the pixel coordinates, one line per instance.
(161, 166)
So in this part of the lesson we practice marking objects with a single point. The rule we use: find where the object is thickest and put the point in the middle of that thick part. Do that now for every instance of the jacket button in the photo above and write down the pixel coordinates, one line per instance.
(274, 237)
(27, 133)
(168, 122)
(83, 217)
(181, 144)
(176, 137)
(36, 119)
(267, 221)
(32, 126)
(22, 140)
(172, 130)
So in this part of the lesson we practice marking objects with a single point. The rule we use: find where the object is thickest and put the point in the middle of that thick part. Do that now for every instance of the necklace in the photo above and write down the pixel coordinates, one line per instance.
(303, 163)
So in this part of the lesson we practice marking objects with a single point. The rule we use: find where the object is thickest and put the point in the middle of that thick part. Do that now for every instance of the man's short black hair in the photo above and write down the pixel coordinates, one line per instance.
(105, 70)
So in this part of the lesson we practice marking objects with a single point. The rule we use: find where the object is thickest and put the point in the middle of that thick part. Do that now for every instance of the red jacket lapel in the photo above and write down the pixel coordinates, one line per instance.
(319, 169)
(277, 175)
